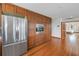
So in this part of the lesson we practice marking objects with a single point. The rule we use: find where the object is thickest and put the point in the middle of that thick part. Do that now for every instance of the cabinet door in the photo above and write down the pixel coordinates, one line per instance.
(20, 11)
(0, 15)
(8, 8)
(0, 7)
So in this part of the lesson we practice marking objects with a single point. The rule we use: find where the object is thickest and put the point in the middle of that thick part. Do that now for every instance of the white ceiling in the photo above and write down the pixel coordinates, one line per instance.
(57, 10)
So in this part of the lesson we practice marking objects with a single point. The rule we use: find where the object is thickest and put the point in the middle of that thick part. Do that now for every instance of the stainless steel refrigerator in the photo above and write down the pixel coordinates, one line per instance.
(14, 34)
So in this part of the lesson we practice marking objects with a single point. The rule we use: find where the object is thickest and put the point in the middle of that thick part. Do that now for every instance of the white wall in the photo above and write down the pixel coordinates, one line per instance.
(56, 31)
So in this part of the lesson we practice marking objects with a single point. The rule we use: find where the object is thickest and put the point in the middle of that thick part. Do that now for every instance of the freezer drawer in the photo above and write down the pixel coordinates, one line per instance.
(8, 51)
(20, 49)
(15, 49)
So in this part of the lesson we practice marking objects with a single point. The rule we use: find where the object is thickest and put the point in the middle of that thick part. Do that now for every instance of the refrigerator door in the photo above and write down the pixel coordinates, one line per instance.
(25, 30)
(7, 29)
(17, 29)
(22, 30)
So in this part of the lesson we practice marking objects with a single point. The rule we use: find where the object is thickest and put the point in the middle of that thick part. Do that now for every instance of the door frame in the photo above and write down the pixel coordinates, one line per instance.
(63, 29)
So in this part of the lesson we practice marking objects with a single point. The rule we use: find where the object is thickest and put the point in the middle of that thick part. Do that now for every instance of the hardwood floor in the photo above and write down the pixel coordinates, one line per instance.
(50, 48)
(72, 43)
(56, 47)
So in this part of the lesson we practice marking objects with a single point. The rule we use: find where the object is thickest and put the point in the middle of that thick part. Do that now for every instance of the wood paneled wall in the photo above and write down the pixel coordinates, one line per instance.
(33, 19)
(37, 39)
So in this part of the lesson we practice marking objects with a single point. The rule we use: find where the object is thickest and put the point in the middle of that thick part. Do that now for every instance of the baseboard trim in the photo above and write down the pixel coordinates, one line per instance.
(55, 37)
